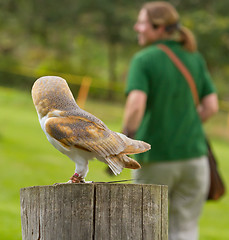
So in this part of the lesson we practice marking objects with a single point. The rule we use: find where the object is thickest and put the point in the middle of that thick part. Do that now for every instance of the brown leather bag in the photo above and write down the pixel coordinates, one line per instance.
(217, 187)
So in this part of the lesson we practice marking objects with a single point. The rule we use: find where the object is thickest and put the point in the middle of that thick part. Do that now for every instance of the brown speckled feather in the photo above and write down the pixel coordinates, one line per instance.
(76, 131)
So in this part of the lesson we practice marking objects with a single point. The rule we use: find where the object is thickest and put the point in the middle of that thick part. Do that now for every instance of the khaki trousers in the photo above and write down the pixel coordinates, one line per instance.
(188, 184)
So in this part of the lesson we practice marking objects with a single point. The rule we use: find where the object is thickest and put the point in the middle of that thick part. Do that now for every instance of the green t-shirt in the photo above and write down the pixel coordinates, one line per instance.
(170, 123)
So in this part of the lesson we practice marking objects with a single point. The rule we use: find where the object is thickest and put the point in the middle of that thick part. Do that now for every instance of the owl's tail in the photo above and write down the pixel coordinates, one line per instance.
(120, 161)
(134, 146)
(117, 162)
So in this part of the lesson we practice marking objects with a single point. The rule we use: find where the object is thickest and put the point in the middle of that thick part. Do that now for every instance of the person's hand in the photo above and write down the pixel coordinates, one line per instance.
(128, 133)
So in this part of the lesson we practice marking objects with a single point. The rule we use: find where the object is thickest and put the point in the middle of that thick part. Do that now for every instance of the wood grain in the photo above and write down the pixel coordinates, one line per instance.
(97, 211)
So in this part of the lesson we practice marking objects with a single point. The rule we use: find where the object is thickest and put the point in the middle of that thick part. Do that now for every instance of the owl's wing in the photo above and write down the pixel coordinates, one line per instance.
(83, 133)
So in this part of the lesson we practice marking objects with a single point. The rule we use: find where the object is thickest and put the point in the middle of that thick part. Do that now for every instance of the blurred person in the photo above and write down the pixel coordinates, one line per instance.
(160, 110)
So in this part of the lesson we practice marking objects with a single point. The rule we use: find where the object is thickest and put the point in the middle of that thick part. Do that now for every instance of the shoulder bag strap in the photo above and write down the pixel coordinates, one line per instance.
(177, 62)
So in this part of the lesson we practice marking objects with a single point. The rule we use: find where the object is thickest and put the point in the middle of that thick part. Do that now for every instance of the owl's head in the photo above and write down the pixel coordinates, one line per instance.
(52, 93)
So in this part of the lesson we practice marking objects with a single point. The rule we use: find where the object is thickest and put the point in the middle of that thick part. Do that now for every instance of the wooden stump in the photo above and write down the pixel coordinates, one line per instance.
(96, 211)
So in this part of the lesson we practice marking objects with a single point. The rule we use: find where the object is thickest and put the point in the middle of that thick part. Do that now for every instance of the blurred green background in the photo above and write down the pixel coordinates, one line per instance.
(74, 39)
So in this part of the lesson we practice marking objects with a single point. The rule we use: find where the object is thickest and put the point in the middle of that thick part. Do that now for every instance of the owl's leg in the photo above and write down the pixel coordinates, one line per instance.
(80, 172)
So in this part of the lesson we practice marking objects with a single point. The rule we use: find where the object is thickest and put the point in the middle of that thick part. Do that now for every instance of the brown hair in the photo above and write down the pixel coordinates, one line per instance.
(163, 13)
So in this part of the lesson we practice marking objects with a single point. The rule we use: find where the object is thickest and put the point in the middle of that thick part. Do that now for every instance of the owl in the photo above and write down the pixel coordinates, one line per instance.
(78, 134)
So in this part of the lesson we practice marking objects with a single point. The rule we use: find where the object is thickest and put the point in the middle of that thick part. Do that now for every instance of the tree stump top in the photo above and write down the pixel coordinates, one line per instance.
(94, 211)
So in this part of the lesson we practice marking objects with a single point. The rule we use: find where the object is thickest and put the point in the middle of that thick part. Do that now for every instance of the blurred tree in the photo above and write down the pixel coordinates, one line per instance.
(75, 36)
(112, 22)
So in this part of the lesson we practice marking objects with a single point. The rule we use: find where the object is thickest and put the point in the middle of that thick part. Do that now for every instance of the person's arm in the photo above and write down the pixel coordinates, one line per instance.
(134, 112)
(208, 107)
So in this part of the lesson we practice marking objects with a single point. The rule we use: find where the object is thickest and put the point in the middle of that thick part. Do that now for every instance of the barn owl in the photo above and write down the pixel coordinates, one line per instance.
(78, 134)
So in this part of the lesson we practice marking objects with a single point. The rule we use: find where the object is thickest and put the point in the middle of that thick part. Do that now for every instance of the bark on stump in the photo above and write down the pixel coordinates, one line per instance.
(95, 212)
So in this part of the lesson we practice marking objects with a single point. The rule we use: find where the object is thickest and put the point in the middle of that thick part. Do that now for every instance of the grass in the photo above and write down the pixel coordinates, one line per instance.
(28, 159)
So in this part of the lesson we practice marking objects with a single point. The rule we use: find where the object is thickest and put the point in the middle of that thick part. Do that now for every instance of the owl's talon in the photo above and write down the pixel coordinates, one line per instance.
(76, 178)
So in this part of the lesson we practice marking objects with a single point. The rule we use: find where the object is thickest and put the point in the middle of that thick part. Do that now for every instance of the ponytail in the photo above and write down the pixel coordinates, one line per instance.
(187, 38)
